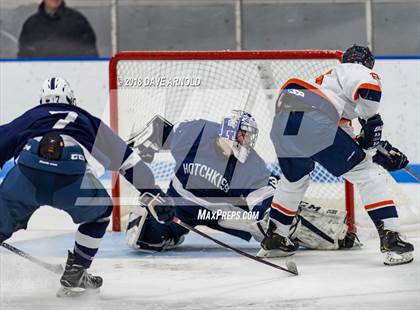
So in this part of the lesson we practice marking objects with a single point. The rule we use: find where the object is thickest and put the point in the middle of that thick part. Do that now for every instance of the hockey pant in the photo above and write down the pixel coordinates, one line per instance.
(83, 197)
(369, 178)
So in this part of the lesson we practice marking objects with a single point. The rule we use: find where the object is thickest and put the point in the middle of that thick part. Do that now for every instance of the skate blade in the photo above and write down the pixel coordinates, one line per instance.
(273, 253)
(393, 259)
(64, 292)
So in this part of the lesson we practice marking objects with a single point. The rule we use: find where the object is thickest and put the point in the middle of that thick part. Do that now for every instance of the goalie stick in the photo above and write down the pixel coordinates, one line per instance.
(56, 268)
(290, 266)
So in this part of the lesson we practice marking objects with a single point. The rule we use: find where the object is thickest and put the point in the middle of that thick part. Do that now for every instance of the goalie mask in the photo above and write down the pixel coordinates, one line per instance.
(238, 134)
(57, 90)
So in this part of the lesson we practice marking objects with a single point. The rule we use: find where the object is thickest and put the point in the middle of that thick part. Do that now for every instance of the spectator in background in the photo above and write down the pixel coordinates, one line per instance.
(57, 31)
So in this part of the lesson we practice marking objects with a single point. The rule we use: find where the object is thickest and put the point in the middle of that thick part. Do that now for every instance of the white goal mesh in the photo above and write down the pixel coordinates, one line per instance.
(190, 85)
(182, 89)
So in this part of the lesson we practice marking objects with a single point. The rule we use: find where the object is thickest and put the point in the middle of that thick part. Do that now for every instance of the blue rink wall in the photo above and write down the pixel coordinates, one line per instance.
(20, 82)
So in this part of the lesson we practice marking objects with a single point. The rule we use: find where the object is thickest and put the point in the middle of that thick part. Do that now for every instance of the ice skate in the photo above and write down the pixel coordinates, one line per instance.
(396, 250)
(275, 245)
(75, 281)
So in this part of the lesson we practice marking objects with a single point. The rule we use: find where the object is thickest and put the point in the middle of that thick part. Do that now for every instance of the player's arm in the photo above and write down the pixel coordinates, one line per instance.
(367, 94)
(161, 135)
(8, 134)
(363, 87)
(367, 97)
(263, 195)
(122, 158)
(7, 143)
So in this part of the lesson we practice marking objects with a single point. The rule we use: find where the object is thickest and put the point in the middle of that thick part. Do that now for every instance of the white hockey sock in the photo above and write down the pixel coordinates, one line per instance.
(281, 229)
(392, 224)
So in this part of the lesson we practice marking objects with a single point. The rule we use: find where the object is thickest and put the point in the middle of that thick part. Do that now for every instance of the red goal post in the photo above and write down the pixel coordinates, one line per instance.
(130, 58)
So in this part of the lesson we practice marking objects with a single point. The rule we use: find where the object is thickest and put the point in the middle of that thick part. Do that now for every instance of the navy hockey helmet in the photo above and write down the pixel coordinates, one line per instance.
(359, 54)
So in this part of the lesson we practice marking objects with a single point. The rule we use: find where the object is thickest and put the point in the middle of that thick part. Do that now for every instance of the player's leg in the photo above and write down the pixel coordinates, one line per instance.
(17, 203)
(88, 203)
(346, 158)
(289, 192)
(290, 189)
(304, 125)
(339, 157)
(371, 184)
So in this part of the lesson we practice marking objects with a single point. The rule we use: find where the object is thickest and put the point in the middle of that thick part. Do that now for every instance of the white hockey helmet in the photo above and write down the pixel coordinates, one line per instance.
(239, 133)
(57, 90)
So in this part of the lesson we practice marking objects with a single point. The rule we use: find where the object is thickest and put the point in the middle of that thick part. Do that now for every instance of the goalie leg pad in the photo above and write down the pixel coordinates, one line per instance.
(146, 234)
(319, 228)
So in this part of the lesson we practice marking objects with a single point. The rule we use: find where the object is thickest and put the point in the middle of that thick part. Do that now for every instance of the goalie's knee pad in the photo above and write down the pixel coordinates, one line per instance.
(146, 234)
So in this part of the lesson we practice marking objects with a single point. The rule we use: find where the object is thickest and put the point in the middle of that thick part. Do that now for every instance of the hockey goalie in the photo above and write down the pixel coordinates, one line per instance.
(219, 181)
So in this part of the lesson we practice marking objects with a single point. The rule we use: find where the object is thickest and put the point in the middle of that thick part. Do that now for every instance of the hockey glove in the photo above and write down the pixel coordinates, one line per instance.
(160, 206)
(389, 157)
(152, 138)
(371, 132)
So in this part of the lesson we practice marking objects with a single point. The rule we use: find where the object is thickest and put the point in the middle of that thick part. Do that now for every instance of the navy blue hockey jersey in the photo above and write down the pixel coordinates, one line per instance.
(209, 178)
(107, 147)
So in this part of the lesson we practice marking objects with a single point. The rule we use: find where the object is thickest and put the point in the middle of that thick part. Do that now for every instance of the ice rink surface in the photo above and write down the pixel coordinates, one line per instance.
(201, 275)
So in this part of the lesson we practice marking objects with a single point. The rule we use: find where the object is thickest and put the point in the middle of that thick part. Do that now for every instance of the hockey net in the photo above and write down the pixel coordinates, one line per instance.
(189, 85)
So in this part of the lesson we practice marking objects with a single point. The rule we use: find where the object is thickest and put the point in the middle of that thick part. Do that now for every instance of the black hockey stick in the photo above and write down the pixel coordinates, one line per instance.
(56, 268)
(291, 266)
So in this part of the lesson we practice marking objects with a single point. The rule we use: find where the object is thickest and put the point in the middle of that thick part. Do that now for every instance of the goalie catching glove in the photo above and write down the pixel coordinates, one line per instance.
(389, 157)
(152, 138)
(159, 205)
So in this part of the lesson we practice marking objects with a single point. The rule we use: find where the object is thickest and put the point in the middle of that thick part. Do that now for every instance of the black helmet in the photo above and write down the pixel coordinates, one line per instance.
(360, 55)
